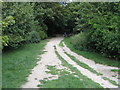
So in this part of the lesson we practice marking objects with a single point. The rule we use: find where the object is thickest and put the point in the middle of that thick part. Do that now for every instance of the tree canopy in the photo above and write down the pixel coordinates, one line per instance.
(25, 22)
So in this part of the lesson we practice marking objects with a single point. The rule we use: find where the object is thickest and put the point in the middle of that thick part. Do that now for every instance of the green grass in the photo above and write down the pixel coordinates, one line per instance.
(97, 57)
(17, 64)
(65, 81)
(116, 70)
(111, 81)
(52, 69)
(61, 43)
(85, 83)
(70, 81)
(82, 64)
(114, 75)
(55, 71)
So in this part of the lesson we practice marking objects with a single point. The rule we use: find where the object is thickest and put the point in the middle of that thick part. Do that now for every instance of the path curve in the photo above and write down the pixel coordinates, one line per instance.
(50, 58)
(39, 71)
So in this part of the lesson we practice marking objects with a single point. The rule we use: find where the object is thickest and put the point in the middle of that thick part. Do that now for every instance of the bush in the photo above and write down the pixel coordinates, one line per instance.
(79, 41)
(106, 42)
(112, 45)
(19, 21)
(5, 40)
(15, 40)
(101, 26)
(33, 37)
(42, 35)
(103, 41)
(96, 39)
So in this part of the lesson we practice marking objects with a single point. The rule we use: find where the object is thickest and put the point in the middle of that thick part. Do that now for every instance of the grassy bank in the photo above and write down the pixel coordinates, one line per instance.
(18, 63)
(98, 58)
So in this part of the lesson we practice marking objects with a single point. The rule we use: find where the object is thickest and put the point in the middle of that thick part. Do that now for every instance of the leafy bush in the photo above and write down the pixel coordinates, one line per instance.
(24, 21)
(96, 39)
(79, 41)
(5, 23)
(8, 21)
(15, 40)
(106, 42)
(5, 40)
(111, 44)
(33, 37)
(42, 34)
(100, 22)
(103, 41)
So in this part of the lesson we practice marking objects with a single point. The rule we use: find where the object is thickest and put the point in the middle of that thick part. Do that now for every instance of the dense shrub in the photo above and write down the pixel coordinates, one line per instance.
(15, 40)
(100, 22)
(79, 41)
(5, 24)
(33, 37)
(42, 34)
(102, 41)
(23, 14)
(106, 42)
(112, 43)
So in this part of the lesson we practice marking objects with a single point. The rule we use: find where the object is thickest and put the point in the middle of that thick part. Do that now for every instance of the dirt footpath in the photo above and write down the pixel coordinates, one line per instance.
(49, 58)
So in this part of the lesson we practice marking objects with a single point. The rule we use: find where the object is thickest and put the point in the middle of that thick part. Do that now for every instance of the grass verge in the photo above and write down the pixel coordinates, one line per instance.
(97, 57)
(61, 43)
(82, 64)
(18, 63)
(52, 69)
(116, 70)
(111, 81)
(65, 81)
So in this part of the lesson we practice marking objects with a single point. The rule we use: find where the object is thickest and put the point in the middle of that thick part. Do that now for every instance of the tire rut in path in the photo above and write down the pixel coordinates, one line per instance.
(103, 69)
(92, 76)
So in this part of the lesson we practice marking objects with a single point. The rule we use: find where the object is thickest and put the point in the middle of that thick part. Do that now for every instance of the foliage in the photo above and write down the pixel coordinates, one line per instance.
(52, 16)
(33, 37)
(101, 26)
(106, 42)
(24, 18)
(8, 21)
(5, 40)
(79, 41)
(5, 23)
(31, 17)
(42, 34)
(99, 23)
